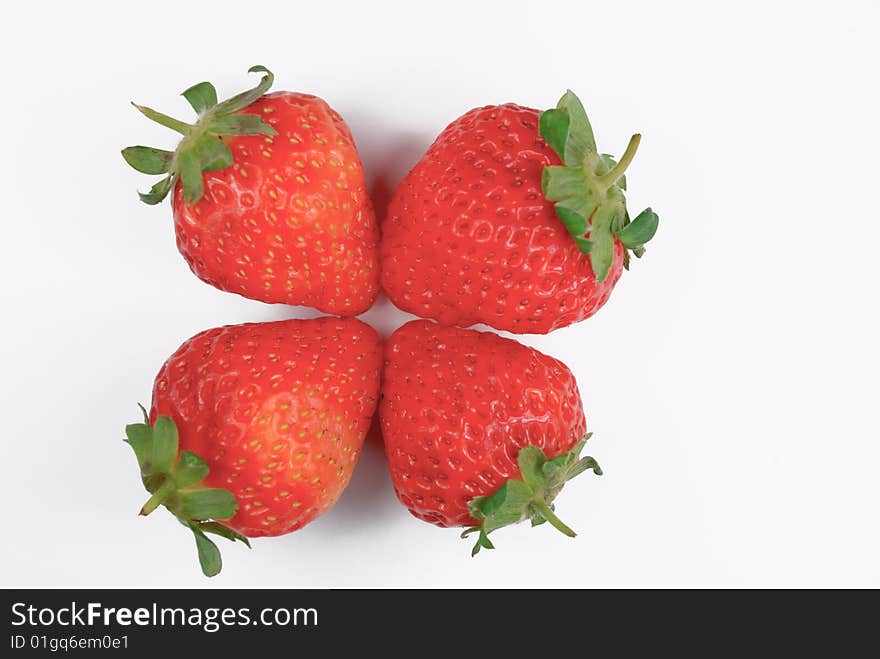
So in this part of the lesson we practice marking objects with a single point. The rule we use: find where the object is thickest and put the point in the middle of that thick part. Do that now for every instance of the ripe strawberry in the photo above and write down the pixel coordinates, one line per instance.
(258, 425)
(480, 431)
(513, 219)
(269, 198)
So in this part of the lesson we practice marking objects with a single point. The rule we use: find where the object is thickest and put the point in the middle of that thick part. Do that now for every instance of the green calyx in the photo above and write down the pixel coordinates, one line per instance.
(175, 481)
(530, 496)
(588, 188)
(202, 148)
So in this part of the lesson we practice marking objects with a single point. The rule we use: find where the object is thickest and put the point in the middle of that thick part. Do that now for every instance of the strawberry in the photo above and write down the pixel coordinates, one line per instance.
(258, 426)
(513, 219)
(480, 431)
(269, 198)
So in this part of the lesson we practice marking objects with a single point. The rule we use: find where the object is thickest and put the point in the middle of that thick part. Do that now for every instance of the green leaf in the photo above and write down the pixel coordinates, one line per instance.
(482, 539)
(553, 126)
(208, 503)
(190, 469)
(579, 140)
(148, 160)
(213, 153)
(224, 532)
(552, 467)
(583, 465)
(165, 442)
(242, 100)
(575, 223)
(240, 124)
(602, 251)
(164, 119)
(638, 252)
(640, 230)
(201, 96)
(530, 460)
(190, 175)
(209, 555)
(507, 506)
(158, 192)
(560, 183)
(475, 507)
(584, 245)
(140, 437)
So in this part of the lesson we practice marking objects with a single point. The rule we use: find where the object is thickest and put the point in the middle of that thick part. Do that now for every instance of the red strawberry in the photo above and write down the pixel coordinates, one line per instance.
(271, 418)
(473, 234)
(269, 198)
(480, 431)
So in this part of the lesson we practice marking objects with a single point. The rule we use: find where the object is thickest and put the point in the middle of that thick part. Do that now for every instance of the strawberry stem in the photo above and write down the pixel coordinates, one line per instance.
(158, 497)
(551, 517)
(614, 175)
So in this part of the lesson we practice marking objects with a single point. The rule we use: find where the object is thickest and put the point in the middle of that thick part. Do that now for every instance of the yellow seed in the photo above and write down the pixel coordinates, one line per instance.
(284, 494)
(296, 504)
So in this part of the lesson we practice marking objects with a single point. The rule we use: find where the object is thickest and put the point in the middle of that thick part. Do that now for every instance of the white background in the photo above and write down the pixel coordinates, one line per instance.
(731, 381)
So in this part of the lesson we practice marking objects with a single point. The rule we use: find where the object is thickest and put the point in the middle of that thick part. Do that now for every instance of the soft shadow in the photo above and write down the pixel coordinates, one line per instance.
(386, 165)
